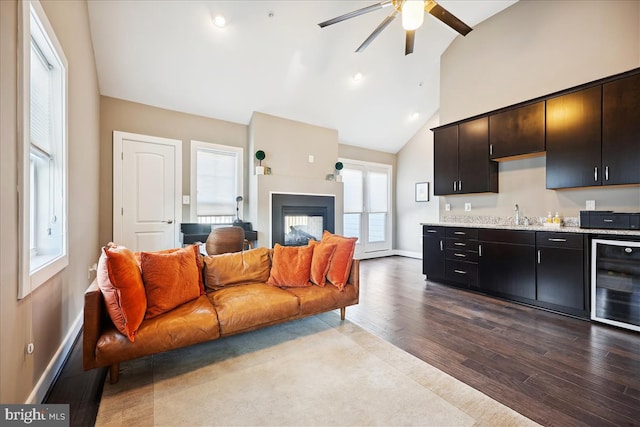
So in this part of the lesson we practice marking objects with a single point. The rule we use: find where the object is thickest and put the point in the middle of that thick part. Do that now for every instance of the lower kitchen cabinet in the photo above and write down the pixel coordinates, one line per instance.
(433, 251)
(561, 263)
(461, 256)
(506, 264)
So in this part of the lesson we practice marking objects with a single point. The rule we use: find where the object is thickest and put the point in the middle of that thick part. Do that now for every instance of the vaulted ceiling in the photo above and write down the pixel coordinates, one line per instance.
(272, 57)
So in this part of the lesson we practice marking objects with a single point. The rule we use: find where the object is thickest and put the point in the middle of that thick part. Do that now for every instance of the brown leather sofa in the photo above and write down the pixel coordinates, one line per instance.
(216, 314)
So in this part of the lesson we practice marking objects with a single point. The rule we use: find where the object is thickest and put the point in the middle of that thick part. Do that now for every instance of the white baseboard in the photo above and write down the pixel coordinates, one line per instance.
(380, 254)
(408, 254)
(55, 365)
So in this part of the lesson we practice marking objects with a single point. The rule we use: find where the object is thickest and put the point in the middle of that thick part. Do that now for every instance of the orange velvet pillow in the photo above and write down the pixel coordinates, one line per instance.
(237, 268)
(291, 266)
(322, 254)
(340, 265)
(199, 261)
(170, 279)
(121, 284)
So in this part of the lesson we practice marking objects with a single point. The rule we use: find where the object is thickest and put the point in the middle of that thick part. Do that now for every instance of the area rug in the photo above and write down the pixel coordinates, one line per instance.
(316, 371)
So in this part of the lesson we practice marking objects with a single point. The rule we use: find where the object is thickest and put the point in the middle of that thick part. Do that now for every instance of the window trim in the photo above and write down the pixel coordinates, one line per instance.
(197, 145)
(29, 281)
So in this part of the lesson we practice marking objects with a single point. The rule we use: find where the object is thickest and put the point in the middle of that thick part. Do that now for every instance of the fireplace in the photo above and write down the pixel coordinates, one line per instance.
(297, 218)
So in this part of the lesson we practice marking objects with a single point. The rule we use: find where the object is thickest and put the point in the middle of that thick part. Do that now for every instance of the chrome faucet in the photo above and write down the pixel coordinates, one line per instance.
(517, 219)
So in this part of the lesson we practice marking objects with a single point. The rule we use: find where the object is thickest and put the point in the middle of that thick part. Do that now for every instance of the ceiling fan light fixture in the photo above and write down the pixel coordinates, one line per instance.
(412, 14)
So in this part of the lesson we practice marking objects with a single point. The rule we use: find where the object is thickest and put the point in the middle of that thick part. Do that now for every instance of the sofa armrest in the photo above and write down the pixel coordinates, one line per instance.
(354, 275)
(94, 319)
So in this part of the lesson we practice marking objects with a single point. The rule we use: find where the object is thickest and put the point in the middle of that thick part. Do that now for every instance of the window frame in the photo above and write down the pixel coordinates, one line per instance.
(45, 38)
(201, 145)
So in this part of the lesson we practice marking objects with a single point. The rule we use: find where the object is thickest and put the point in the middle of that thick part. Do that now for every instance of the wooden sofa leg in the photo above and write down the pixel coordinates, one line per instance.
(343, 311)
(114, 373)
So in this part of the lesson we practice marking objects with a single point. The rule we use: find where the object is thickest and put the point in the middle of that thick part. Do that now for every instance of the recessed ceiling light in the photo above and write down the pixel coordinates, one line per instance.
(220, 21)
(357, 77)
(414, 116)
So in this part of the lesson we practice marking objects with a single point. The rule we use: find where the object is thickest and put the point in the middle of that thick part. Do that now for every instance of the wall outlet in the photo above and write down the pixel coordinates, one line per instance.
(186, 200)
(447, 207)
(467, 207)
(591, 205)
(311, 158)
(30, 348)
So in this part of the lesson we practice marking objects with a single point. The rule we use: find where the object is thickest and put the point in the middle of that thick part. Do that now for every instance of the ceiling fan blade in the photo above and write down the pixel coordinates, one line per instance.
(408, 41)
(355, 13)
(377, 31)
(447, 17)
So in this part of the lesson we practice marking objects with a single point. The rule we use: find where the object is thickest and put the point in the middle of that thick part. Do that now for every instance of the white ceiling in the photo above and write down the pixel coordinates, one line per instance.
(273, 58)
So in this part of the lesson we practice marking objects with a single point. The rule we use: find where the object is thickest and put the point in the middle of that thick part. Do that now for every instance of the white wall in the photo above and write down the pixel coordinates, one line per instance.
(415, 162)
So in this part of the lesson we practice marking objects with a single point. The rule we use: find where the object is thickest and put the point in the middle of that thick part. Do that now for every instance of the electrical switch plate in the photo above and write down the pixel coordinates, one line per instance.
(447, 207)
(310, 158)
(186, 200)
(467, 207)
(591, 205)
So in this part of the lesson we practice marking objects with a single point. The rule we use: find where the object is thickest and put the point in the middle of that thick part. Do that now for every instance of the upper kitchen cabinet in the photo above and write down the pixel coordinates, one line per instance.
(621, 131)
(461, 159)
(574, 134)
(517, 132)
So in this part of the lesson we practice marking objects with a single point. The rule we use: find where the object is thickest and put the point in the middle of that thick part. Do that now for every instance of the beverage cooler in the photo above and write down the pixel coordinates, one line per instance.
(615, 282)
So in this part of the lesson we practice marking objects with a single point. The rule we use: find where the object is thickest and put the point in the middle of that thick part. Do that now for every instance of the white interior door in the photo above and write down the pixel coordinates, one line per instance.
(147, 186)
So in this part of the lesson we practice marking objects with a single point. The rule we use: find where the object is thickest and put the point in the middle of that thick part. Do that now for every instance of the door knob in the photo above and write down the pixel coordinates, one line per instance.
(169, 221)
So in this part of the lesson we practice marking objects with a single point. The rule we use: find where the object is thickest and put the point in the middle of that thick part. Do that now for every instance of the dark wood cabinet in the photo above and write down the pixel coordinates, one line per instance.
(461, 159)
(461, 256)
(445, 164)
(574, 139)
(506, 263)
(433, 251)
(516, 132)
(561, 272)
(621, 131)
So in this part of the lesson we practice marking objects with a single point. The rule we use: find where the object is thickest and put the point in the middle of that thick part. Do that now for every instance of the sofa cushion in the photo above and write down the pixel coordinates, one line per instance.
(120, 281)
(242, 308)
(322, 254)
(314, 300)
(237, 268)
(190, 323)
(291, 266)
(340, 265)
(170, 279)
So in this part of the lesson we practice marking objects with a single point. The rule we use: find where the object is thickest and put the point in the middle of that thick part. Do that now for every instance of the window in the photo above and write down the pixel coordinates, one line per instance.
(367, 198)
(43, 194)
(216, 181)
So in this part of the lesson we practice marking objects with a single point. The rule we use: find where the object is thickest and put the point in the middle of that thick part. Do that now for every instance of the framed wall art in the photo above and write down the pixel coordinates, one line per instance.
(422, 191)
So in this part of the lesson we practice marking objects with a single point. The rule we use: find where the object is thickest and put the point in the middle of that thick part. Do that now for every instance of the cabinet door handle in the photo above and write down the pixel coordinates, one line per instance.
(595, 173)
(491, 149)
(538, 256)
(454, 185)
(479, 250)
(460, 255)
(460, 185)
(432, 231)
(557, 240)
(459, 244)
(460, 271)
(606, 173)
(460, 232)
(441, 246)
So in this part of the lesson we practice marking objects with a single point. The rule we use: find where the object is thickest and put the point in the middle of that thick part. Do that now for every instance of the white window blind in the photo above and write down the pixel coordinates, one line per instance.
(216, 185)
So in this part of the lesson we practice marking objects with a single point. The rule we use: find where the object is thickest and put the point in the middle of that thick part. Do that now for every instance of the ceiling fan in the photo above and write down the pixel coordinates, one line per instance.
(412, 12)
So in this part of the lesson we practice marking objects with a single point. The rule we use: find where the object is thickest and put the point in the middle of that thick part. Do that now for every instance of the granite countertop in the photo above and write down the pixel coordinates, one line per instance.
(571, 225)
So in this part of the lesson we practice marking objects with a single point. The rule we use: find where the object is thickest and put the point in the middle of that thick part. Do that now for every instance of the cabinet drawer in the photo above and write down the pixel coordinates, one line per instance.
(462, 233)
(507, 236)
(434, 231)
(462, 272)
(559, 240)
(462, 244)
(455, 254)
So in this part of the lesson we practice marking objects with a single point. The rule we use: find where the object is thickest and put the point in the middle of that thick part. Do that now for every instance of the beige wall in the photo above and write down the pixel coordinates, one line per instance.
(125, 116)
(288, 145)
(47, 315)
(531, 49)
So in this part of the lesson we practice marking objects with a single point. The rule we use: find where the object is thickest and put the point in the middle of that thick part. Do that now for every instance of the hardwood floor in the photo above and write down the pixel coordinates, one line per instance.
(553, 369)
